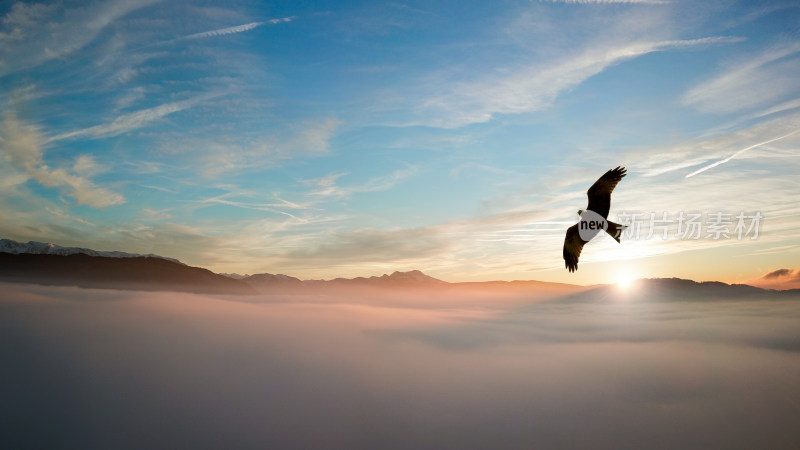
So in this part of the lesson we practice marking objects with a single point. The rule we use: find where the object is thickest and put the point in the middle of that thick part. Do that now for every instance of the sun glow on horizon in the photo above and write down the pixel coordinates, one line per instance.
(624, 281)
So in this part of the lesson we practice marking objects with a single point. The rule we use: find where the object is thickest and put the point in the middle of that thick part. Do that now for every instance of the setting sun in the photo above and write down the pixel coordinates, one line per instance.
(624, 281)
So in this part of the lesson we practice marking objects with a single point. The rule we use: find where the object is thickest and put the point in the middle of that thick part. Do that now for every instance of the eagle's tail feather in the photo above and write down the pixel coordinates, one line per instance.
(615, 230)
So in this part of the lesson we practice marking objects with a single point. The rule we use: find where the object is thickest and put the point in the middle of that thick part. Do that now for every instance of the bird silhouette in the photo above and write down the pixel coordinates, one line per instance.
(599, 205)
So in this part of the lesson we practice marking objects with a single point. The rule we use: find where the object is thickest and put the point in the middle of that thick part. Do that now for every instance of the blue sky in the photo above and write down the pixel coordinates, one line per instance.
(325, 139)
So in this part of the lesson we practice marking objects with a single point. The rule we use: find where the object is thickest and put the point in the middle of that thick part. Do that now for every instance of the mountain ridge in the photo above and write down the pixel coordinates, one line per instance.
(45, 263)
(679, 289)
(130, 273)
(46, 248)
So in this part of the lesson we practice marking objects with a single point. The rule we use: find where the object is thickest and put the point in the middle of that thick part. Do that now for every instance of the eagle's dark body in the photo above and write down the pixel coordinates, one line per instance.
(600, 203)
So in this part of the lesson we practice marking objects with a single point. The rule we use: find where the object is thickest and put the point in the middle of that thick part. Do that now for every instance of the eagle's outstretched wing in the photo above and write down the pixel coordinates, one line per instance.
(573, 244)
(600, 192)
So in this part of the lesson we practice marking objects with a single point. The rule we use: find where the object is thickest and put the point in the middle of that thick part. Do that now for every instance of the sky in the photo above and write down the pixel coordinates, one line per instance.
(326, 139)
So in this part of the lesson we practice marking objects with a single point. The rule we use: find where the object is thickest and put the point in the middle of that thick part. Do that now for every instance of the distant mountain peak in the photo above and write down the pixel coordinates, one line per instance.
(235, 276)
(409, 273)
(271, 278)
(411, 276)
(410, 279)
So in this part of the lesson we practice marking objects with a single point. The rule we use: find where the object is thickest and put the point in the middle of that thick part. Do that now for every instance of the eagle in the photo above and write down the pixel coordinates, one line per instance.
(599, 205)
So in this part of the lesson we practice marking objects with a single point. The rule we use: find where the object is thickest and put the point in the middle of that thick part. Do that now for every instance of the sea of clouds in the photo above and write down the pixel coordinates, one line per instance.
(123, 369)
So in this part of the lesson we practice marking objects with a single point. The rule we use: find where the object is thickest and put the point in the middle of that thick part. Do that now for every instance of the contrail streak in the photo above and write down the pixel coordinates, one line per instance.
(723, 161)
(236, 29)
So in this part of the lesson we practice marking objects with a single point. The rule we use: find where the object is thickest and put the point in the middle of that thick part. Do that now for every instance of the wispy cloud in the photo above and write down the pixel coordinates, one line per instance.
(236, 29)
(157, 214)
(132, 121)
(59, 212)
(740, 152)
(757, 81)
(663, 160)
(225, 199)
(157, 188)
(536, 87)
(314, 139)
(781, 107)
(21, 146)
(21, 18)
(327, 187)
(38, 33)
(218, 156)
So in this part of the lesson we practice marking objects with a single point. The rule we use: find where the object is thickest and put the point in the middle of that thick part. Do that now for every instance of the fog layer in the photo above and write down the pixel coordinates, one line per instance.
(115, 369)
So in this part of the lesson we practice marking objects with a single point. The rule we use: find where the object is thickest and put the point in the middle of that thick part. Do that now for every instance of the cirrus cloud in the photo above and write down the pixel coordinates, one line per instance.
(21, 146)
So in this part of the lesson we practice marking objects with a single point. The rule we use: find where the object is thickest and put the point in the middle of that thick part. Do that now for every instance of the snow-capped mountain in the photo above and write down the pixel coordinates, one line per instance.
(49, 264)
(44, 248)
